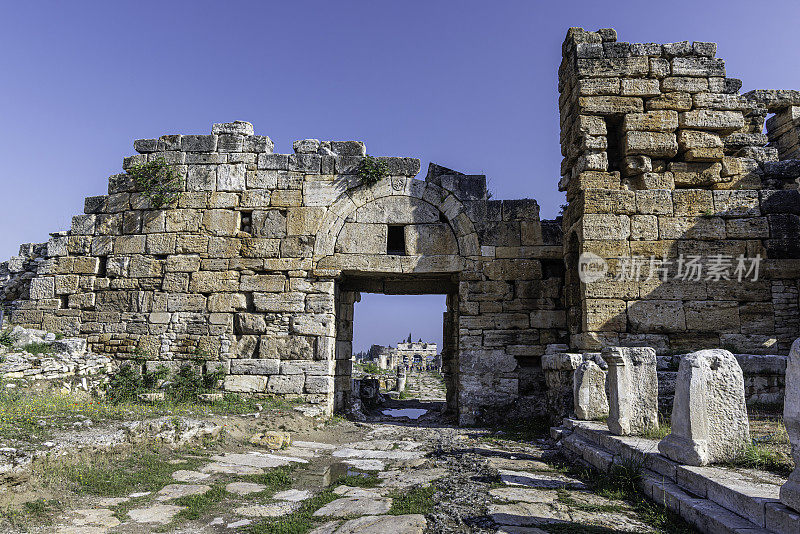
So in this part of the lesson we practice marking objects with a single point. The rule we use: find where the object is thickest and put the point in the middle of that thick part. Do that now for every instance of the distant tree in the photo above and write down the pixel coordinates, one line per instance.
(409, 337)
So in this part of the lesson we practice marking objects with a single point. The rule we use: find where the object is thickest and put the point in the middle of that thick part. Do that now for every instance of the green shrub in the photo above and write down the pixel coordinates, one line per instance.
(6, 338)
(38, 348)
(372, 170)
(186, 384)
(158, 181)
(126, 384)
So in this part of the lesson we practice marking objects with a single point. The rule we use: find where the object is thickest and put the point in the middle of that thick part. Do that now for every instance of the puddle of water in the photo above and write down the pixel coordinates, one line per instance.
(340, 469)
(411, 413)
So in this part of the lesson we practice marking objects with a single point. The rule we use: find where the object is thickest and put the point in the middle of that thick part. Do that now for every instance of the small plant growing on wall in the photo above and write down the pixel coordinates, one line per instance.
(157, 180)
(371, 170)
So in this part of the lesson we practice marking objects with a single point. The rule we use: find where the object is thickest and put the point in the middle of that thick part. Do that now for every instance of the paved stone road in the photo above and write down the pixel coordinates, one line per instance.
(481, 485)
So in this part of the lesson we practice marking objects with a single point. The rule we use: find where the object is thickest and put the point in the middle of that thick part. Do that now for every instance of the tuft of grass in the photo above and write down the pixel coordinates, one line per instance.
(113, 474)
(621, 482)
(38, 348)
(275, 479)
(198, 505)
(298, 522)
(565, 497)
(758, 456)
(364, 480)
(417, 500)
(657, 432)
(40, 511)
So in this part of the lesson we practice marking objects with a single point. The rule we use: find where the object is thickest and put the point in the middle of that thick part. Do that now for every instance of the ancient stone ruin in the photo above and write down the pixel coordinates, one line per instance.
(680, 234)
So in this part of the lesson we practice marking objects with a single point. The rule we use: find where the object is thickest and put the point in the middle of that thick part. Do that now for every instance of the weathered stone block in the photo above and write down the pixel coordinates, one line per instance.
(632, 389)
(286, 384)
(589, 392)
(245, 383)
(653, 144)
(709, 415)
(255, 366)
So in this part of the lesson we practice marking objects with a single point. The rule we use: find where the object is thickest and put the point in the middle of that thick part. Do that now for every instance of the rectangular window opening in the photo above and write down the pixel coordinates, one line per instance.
(614, 140)
(396, 241)
(246, 222)
(102, 264)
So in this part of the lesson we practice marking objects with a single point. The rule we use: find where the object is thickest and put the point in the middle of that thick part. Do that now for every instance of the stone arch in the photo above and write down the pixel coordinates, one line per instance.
(440, 199)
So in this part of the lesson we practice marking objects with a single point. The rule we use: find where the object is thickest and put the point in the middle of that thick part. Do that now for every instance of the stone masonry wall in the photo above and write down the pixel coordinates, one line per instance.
(664, 159)
(244, 271)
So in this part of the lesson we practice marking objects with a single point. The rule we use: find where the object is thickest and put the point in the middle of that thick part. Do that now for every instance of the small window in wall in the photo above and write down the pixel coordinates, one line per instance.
(396, 240)
(246, 222)
(614, 139)
(102, 266)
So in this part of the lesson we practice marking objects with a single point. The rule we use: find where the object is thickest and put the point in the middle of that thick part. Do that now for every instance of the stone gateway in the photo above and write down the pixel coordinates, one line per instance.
(688, 210)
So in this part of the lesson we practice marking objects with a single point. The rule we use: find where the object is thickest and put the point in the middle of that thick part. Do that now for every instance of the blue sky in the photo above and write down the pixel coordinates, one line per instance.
(467, 84)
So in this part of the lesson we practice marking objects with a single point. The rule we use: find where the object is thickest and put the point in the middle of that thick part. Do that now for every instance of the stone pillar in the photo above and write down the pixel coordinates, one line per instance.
(790, 491)
(632, 385)
(401, 378)
(558, 368)
(589, 392)
(709, 415)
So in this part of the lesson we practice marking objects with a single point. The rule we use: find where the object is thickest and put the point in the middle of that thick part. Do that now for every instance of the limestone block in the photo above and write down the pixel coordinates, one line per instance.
(319, 384)
(623, 66)
(640, 87)
(644, 227)
(430, 239)
(602, 226)
(286, 198)
(703, 228)
(652, 121)
(610, 105)
(235, 127)
(292, 347)
(231, 177)
(790, 491)
(220, 222)
(653, 316)
(397, 210)
(286, 384)
(255, 198)
(279, 302)
(692, 202)
(42, 288)
(269, 223)
(362, 238)
(262, 282)
(654, 144)
(632, 384)
(304, 220)
(201, 178)
(245, 383)
(698, 66)
(313, 324)
(589, 392)
(324, 190)
(703, 119)
(690, 174)
(736, 203)
(718, 316)
(654, 202)
(608, 315)
(709, 415)
(676, 101)
(255, 366)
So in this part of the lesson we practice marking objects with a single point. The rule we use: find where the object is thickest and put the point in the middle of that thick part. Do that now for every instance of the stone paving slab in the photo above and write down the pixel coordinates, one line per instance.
(176, 491)
(244, 488)
(539, 480)
(157, 513)
(355, 506)
(524, 495)
(382, 524)
(274, 509)
(183, 475)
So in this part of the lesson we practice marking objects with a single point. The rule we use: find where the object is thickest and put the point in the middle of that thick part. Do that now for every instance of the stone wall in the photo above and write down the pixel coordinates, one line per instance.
(664, 160)
(257, 267)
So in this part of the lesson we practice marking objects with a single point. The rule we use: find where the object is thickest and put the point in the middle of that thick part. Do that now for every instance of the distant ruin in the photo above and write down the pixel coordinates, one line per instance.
(681, 232)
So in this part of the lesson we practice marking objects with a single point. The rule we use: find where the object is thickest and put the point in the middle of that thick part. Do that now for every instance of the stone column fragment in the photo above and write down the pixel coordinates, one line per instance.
(790, 491)
(589, 392)
(709, 415)
(632, 386)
